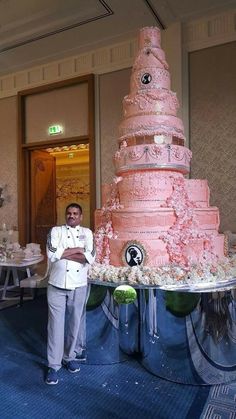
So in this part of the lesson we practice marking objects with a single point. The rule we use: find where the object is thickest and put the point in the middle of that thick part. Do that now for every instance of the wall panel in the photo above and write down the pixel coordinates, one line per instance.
(213, 125)
(113, 87)
(8, 161)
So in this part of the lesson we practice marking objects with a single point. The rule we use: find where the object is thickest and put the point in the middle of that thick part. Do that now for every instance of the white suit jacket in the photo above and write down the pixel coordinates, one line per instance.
(66, 273)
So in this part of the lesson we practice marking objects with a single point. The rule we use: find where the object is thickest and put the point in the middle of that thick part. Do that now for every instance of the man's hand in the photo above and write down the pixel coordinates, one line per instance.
(77, 257)
(74, 253)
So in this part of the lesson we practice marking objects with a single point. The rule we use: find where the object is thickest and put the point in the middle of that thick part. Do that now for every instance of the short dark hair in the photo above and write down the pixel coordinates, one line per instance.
(74, 205)
(132, 251)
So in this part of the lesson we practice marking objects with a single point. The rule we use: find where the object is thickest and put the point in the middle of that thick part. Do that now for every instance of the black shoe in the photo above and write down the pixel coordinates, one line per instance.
(72, 366)
(81, 357)
(52, 377)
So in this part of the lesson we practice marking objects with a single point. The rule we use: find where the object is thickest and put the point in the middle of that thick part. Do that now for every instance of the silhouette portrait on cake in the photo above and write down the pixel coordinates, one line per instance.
(133, 256)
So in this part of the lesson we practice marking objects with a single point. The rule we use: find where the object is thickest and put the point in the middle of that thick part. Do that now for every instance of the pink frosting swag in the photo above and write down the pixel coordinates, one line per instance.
(185, 228)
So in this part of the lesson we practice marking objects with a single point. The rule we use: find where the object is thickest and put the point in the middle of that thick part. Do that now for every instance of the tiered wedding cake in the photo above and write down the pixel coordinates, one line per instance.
(156, 225)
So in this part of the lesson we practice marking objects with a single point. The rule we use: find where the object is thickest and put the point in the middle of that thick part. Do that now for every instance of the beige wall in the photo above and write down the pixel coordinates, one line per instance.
(213, 125)
(113, 87)
(8, 159)
(67, 106)
(171, 42)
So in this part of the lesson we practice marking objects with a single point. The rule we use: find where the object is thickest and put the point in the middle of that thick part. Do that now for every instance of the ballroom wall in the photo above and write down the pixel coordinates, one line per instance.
(111, 66)
(67, 106)
(116, 82)
(213, 125)
(8, 161)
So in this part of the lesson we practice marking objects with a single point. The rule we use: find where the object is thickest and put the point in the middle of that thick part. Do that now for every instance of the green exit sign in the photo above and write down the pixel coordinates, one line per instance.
(55, 129)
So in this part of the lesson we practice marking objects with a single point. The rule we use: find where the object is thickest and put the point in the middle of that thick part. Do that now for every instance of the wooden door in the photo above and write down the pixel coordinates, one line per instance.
(43, 196)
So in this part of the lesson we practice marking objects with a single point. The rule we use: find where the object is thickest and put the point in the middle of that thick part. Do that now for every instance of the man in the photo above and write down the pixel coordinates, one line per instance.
(70, 250)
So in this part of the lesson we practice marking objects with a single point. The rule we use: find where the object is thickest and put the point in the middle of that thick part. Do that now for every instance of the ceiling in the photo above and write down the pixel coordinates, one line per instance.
(33, 32)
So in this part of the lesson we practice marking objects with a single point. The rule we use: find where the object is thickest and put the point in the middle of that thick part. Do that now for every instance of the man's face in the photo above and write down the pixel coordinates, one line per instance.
(73, 217)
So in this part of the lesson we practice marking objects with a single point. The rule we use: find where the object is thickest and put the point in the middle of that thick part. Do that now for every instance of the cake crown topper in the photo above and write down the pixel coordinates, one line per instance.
(149, 49)
(149, 37)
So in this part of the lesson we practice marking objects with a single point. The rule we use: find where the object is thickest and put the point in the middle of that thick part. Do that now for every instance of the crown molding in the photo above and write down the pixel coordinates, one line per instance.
(210, 31)
(199, 34)
(103, 60)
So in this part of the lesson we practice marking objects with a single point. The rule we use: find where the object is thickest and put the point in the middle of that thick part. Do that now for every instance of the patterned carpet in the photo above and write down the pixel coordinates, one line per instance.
(118, 391)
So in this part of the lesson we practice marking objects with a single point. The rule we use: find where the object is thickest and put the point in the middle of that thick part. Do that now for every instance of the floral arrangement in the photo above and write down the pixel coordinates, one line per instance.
(105, 231)
(185, 229)
(168, 275)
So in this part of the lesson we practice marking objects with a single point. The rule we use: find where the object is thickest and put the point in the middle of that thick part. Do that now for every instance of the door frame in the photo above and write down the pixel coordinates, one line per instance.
(24, 150)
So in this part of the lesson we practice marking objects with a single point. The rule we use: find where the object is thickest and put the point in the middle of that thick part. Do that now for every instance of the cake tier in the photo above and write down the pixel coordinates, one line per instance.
(153, 156)
(151, 125)
(157, 102)
(149, 36)
(151, 223)
(151, 189)
(198, 191)
(150, 68)
(152, 139)
(149, 77)
(146, 189)
(98, 218)
(153, 252)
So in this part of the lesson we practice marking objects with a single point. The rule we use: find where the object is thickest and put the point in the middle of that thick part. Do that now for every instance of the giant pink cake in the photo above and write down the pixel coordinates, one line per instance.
(153, 216)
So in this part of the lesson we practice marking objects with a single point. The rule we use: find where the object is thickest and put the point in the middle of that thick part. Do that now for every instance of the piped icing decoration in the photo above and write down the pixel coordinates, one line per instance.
(151, 107)
(157, 227)
(186, 229)
(104, 232)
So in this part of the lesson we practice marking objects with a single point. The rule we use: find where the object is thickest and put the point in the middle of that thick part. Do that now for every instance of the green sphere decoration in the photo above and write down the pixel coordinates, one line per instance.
(125, 294)
(96, 296)
(181, 304)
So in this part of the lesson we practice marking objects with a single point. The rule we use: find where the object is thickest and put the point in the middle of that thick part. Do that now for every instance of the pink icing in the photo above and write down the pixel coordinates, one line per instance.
(153, 156)
(151, 125)
(150, 36)
(150, 201)
(142, 189)
(152, 222)
(198, 192)
(159, 101)
(151, 106)
(160, 79)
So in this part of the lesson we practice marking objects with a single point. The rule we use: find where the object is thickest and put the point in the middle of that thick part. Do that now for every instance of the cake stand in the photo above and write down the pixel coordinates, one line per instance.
(183, 334)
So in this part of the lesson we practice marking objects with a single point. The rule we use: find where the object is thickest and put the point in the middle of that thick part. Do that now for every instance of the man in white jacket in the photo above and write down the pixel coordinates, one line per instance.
(70, 250)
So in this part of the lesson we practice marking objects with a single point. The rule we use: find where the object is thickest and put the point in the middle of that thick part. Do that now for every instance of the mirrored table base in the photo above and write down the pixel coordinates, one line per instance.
(185, 337)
